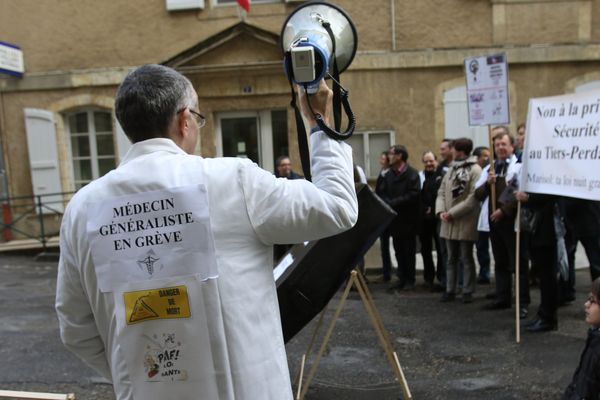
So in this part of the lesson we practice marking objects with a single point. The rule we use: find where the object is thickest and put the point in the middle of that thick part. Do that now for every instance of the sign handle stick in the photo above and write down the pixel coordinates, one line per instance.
(492, 169)
(517, 275)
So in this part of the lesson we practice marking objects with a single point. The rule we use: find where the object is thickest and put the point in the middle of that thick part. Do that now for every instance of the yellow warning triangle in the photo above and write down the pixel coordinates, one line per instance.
(141, 311)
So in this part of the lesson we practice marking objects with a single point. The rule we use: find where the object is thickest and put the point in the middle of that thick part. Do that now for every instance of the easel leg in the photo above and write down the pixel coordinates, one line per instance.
(358, 281)
(299, 375)
(313, 369)
(384, 338)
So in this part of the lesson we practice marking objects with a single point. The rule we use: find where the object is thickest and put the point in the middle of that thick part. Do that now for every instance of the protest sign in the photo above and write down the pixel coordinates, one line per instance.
(562, 146)
(487, 90)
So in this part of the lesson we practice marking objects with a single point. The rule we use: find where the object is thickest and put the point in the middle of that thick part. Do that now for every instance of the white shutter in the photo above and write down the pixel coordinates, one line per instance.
(586, 87)
(176, 5)
(43, 158)
(123, 143)
(456, 118)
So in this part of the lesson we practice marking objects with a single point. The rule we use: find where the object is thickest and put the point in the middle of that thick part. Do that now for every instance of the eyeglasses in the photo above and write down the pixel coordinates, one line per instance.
(201, 119)
(592, 300)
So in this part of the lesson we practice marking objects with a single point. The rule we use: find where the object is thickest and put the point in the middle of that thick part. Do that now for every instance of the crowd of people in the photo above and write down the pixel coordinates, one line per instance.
(462, 203)
(207, 314)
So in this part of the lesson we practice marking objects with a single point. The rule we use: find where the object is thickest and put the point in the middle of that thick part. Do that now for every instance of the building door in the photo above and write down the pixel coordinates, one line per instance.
(258, 135)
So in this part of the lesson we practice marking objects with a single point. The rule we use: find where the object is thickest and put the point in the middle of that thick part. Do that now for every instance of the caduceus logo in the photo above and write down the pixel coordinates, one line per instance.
(148, 263)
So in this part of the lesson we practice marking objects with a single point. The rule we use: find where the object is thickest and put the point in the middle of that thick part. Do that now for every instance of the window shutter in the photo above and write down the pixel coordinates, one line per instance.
(43, 158)
(123, 143)
(593, 85)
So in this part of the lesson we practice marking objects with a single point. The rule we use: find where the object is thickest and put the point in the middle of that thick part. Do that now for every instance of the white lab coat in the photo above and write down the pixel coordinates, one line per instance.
(231, 347)
(512, 172)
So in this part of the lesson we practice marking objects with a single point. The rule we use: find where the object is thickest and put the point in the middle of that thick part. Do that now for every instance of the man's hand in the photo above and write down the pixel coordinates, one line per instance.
(321, 103)
(491, 177)
(446, 217)
(497, 215)
(522, 196)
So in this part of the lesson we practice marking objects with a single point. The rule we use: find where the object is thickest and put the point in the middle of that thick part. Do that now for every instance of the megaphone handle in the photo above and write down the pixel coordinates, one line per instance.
(334, 134)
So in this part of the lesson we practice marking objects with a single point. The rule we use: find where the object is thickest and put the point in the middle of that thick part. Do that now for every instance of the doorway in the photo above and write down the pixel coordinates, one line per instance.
(260, 136)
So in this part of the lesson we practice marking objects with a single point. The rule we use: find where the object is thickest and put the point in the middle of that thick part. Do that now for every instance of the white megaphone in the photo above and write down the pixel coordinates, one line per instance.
(316, 39)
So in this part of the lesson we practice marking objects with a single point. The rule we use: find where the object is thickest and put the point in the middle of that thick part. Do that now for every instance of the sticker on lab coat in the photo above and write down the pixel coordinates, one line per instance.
(165, 303)
(162, 358)
(151, 235)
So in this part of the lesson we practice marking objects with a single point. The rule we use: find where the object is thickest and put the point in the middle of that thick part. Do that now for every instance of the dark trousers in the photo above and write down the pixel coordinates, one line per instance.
(405, 248)
(503, 238)
(428, 238)
(483, 254)
(566, 287)
(384, 241)
(442, 255)
(546, 257)
(591, 245)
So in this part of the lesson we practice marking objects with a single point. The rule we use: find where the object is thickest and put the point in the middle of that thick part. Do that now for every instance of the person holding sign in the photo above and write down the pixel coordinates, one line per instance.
(165, 282)
(502, 219)
(544, 237)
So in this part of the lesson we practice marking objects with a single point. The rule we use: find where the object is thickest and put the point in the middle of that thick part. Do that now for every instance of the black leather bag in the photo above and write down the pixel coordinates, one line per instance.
(310, 274)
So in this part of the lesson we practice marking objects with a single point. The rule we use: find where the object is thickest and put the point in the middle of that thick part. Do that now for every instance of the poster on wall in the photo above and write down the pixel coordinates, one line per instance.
(562, 146)
(487, 90)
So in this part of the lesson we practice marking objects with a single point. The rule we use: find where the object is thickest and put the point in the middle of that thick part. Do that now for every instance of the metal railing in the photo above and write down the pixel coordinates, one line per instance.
(18, 212)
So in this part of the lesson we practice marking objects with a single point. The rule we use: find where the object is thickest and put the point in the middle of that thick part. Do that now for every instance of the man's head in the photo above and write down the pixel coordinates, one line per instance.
(462, 148)
(504, 143)
(155, 101)
(483, 156)
(429, 161)
(384, 161)
(446, 150)
(283, 166)
(520, 139)
(398, 155)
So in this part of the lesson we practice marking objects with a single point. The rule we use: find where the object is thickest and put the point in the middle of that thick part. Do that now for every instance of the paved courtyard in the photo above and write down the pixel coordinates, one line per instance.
(447, 350)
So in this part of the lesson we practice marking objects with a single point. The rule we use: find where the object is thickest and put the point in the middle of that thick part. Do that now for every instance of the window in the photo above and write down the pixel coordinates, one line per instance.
(258, 135)
(367, 146)
(92, 145)
(233, 2)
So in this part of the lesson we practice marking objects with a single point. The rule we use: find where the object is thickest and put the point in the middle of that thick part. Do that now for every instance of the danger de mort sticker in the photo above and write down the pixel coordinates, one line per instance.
(164, 303)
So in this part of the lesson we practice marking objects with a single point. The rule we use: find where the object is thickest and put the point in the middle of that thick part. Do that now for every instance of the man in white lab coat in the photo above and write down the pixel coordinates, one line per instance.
(165, 281)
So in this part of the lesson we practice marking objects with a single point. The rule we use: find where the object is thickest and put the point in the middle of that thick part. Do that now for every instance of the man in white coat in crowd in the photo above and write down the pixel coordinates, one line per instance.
(165, 282)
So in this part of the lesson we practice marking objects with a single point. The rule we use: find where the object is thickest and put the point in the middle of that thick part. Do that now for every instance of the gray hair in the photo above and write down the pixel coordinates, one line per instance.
(148, 100)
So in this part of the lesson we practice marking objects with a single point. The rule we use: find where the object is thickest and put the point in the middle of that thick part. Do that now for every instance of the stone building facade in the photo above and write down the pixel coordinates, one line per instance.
(406, 82)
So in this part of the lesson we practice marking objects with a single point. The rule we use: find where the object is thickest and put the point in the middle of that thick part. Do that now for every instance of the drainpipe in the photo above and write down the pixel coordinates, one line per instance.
(393, 14)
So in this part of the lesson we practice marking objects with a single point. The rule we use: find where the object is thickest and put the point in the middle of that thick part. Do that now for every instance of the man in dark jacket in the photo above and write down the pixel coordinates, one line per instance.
(428, 235)
(581, 217)
(544, 237)
(502, 221)
(384, 239)
(283, 168)
(401, 189)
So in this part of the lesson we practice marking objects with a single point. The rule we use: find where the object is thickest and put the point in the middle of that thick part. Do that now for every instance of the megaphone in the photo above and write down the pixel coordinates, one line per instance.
(316, 39)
